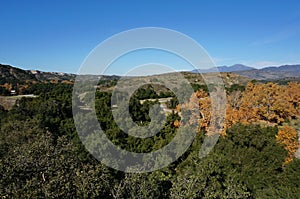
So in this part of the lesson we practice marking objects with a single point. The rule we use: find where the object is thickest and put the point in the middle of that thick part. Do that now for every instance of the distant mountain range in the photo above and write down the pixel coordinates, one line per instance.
(10, 74)
(233, 68)
(266, 73)
(272, 72)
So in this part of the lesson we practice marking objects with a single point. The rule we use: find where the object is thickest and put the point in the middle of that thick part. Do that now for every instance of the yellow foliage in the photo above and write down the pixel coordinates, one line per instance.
(176, 124)
(178, 108)
(263, 102)
(268, 104)
(288, 137)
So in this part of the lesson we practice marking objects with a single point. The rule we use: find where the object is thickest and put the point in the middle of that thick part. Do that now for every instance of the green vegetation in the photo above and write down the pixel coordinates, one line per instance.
(41, 155)
(235, 87)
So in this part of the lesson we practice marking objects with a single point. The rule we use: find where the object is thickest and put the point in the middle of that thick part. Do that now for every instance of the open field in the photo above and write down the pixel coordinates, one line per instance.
(8, 101)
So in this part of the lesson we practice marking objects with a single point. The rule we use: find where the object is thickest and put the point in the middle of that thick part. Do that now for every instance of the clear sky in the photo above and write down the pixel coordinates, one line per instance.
(57, 35)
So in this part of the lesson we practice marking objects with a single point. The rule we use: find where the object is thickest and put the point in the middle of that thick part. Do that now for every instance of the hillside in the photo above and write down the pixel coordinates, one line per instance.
(10, 74)
(46, 76)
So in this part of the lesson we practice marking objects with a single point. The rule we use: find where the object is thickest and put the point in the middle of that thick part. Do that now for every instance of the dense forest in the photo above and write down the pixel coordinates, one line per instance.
(41, 155)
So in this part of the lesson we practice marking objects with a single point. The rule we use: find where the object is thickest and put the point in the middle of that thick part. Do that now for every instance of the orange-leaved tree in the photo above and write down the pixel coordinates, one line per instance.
(269, 102)
(288, 137)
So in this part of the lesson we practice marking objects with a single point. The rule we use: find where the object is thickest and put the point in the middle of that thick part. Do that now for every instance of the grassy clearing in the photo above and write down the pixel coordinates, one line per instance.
(8, 101)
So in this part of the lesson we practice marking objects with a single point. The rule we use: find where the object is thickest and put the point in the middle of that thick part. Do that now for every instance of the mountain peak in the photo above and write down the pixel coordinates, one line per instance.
(233, 68)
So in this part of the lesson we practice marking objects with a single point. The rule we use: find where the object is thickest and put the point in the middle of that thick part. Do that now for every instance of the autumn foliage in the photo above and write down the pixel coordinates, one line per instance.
(268, 104)
(288, 137)
(176, 123)
(201, 100)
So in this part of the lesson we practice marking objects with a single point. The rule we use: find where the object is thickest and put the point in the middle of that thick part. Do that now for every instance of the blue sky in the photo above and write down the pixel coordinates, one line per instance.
(58, 35)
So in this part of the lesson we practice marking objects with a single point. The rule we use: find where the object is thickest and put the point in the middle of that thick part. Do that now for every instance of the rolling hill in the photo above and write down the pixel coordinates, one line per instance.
(10, 74)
